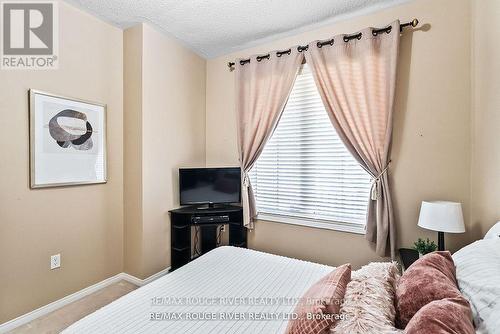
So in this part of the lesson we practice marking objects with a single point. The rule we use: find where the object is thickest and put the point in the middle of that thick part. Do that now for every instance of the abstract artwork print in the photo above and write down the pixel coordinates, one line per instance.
(67, 141)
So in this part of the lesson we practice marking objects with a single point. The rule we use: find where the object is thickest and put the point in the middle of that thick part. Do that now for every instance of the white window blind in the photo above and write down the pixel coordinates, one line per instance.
(305, 173)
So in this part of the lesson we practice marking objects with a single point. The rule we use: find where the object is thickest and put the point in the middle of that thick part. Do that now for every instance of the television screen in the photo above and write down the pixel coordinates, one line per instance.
(209, 185)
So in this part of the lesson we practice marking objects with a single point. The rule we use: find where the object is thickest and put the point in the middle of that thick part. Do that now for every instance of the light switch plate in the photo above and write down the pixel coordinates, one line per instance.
(55, 261)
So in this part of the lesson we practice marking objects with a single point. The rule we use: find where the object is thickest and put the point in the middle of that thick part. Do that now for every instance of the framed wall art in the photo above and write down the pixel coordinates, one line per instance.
(67, 141)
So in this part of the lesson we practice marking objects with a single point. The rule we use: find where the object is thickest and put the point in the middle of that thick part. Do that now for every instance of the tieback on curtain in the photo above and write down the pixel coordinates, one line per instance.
(375, 189)
(246, 180)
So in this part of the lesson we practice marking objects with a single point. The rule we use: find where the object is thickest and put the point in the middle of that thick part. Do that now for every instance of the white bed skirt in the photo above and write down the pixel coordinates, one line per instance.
(228, 290)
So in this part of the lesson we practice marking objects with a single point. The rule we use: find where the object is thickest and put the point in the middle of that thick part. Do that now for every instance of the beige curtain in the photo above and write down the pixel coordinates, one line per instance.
(356, 80)
(262, 90)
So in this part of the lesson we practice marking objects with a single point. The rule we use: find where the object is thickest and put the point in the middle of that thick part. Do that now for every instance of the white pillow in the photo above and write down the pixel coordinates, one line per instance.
(478, 277)
(494, 232)
(368, 305)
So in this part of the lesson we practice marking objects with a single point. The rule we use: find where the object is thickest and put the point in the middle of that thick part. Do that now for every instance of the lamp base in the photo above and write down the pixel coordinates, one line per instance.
(440, 241)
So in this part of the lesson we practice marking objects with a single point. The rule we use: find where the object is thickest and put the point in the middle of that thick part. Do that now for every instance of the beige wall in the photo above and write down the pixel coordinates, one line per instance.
(84, 223)
(431, 150)
(132, 158)
(486, 116)
(173, 135)
(167, 107)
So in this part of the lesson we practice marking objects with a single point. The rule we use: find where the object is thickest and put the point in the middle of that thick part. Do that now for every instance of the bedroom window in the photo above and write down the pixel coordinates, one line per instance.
(305, 175)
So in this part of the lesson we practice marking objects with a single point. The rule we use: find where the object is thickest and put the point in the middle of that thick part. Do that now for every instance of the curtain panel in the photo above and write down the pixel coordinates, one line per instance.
(262, 89)
(356, 79)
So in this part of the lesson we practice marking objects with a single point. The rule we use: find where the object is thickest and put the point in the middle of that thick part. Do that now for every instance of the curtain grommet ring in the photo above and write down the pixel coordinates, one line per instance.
(376, 32)
(281, 53)
(357, 36)
(259, 58)
(302, 48)
(322, 44)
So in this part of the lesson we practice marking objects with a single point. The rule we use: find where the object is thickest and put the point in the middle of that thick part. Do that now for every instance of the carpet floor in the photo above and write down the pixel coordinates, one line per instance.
(59, 319)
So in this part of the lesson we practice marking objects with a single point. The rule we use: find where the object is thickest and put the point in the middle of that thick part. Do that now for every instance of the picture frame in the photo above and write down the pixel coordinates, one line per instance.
(67, 141)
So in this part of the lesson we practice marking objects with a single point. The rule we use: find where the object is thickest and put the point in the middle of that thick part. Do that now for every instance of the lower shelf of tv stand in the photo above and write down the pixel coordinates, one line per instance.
(182, 221)
(181, 249)
(241, 244)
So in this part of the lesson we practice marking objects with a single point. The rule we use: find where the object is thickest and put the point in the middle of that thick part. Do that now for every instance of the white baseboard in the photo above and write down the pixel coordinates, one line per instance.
(30, 316)
(140, 282)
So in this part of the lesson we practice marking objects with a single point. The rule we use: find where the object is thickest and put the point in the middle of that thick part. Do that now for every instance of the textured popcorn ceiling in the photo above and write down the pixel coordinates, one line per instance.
(216, 27)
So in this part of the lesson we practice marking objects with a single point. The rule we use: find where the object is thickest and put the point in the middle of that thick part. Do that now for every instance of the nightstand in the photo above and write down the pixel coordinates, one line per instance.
(408, 256)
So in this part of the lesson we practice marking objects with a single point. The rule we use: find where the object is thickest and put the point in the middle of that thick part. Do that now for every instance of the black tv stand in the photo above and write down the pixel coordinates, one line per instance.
(207, 219)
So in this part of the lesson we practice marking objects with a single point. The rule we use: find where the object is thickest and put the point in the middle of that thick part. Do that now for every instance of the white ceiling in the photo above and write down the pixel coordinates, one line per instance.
(216, 27)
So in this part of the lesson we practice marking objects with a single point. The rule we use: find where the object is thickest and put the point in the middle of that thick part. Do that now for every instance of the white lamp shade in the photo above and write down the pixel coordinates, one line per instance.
(442, 216)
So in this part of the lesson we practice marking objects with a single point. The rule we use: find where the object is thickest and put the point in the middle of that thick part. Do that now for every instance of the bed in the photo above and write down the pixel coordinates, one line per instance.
(236, 290)
(266, 287)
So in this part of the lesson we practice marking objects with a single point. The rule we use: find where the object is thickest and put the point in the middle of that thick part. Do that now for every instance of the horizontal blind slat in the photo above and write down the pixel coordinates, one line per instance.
(305, 170)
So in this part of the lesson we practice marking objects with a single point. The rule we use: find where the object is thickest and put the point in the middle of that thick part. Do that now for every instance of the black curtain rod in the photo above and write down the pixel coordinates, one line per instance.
(413, 23)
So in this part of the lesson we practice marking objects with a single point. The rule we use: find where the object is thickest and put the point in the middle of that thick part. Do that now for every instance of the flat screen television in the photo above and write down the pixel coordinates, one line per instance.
(209, 185)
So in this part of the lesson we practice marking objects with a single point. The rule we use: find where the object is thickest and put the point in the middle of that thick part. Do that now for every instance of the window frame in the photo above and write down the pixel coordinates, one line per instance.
(315, 223)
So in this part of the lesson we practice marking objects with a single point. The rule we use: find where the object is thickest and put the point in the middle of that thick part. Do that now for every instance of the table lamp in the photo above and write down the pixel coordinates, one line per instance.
(441, 216)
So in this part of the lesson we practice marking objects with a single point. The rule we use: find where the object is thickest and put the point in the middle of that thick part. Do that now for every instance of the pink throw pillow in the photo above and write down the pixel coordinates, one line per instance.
(445, 316)
(320, 305)
(430, 278)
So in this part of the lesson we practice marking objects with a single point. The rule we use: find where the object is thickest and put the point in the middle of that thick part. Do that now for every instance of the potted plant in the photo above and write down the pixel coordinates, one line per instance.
(424, 246)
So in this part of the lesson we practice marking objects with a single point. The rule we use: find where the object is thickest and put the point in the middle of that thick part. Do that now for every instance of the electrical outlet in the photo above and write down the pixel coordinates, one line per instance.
(55, 261)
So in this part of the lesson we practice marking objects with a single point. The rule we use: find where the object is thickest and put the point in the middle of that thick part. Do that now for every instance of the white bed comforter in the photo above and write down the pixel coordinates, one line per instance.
(257, 287)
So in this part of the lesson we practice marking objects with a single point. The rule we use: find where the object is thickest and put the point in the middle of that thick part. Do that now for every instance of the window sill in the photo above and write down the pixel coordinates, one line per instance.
(326, 225)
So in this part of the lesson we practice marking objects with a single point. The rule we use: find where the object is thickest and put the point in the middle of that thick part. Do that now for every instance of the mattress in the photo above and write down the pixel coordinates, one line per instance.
(227, 290)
